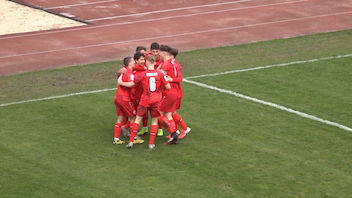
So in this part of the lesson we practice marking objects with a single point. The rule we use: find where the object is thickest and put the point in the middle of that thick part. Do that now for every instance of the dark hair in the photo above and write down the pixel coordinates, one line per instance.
(140, 48)
(174, 52)
(138, 55)
(154, 45)
(126, 60)
(165, 48)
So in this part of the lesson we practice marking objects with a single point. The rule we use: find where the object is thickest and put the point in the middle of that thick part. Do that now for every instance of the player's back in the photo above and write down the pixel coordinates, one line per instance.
(151, 82)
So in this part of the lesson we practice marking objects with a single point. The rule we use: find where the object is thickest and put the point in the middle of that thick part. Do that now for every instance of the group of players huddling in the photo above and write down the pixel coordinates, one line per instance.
(149, 82)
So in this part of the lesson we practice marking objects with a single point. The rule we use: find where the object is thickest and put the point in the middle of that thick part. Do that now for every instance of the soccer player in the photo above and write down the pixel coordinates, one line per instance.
(154, 50)
(176, 77)
(136, 91)
(151, 80)
(141, 49)
(122, 98)
(170, 100)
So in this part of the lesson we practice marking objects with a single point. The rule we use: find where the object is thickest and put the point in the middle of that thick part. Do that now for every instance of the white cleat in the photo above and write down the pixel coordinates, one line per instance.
(129, 145)
(151, 146)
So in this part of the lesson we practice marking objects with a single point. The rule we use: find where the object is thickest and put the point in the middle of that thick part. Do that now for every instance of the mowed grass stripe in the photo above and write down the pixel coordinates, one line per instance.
(98, 76)
(322, 89)
(191, 77)
(312, 117)
(237, 148)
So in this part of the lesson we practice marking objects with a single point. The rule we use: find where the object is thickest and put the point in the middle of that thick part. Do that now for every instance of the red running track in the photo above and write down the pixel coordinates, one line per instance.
(117, 27)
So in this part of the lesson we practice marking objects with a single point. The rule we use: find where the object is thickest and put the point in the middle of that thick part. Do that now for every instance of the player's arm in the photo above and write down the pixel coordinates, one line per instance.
(121, 71)
(125, 84)
(177, 79)
(165, 81)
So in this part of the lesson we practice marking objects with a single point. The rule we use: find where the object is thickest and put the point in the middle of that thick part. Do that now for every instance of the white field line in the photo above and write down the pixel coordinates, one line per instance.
(269, 66)
(80, 4)
(56, 97)
(233, 71)
(269, 104)
(168, 10)
(174, 35)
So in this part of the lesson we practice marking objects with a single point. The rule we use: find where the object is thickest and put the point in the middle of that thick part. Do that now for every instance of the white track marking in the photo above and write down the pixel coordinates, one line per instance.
(269, 104)
(168, 10)
(210, 12)
(80, 4)
(269, 66)
(121, 23)
(56, 97)
(110, 89)
(174, 35)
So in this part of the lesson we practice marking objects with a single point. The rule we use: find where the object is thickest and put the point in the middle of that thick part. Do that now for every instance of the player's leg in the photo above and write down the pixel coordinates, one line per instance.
(168, 106)
(145, 125)
(117, 130)
(179, 121)
(154, 114)
(134, 129)
(153, 130)
(172, 129)
(125, 128)
(120, 117)
(135, 125)
(162, 122)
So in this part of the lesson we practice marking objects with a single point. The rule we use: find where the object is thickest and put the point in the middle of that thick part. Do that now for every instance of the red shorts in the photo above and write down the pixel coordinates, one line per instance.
(179, 103)
(124, 108)
(170, 102)
(135, 104)
(153, 109)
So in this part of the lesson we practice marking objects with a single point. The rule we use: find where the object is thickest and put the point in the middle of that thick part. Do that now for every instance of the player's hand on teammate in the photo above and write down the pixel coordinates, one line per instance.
(169, 78)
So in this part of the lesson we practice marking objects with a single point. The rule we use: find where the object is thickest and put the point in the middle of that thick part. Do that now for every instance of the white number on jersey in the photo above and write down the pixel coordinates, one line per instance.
(152, 85)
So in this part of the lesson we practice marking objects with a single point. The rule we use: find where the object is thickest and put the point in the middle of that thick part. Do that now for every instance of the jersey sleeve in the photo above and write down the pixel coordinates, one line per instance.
(163, 78)
(178, 74)
(164, 68)
(121, 71)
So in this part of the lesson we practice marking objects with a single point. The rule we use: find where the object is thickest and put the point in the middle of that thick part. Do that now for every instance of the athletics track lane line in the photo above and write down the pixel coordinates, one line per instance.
(141, 21)
(80, 4)
(312, 117)
(174, 35)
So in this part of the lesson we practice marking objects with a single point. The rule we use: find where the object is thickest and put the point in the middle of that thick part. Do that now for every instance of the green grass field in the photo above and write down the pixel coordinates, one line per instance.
(237, 148)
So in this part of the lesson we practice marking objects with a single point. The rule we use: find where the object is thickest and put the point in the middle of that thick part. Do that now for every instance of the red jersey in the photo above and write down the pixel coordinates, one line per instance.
(124, 93)
(173, 69)
(157, 61)
(151, 81)
(137, 90)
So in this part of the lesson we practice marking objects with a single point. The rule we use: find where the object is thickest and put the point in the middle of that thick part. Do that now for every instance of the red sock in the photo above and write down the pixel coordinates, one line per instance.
(172, 126)
(127, 125)
(160, 121)
(179, 121)
(117, 130)
(145, 120)
(153, 130)
(134, 129)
